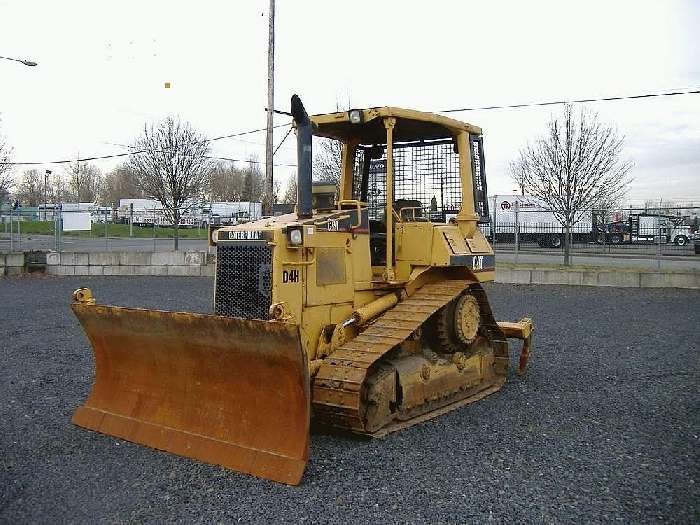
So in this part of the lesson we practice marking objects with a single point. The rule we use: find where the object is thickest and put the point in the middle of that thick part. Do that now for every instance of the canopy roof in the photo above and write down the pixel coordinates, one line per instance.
(410, 126)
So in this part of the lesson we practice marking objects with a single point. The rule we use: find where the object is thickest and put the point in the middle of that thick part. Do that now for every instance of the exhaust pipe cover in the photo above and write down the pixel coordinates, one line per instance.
(304, 158)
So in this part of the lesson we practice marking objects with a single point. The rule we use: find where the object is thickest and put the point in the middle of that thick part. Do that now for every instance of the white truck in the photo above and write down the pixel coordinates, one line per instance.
(231, 212)
(144, 212)
(535, 222)
(646, 228)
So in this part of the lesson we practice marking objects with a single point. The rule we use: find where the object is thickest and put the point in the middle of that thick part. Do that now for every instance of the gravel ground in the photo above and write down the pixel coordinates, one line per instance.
(604, 427)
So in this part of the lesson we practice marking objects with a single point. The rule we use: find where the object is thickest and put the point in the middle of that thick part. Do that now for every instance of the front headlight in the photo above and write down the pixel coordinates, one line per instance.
(355, 116)
(295, 237)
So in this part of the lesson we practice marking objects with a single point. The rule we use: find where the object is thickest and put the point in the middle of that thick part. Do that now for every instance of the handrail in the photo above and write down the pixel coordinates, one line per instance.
(358, 208)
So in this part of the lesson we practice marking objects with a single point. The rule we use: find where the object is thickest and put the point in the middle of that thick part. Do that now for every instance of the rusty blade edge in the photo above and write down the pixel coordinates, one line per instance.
(283, 469)
(193, 434)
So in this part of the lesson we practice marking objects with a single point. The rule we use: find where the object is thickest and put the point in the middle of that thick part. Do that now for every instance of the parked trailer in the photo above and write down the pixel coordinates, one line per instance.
(536, 223)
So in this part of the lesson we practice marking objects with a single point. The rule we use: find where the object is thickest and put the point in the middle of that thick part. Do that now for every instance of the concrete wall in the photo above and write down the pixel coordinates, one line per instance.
(602, 277)
(130, 263)
(11, 264)
(202, 264)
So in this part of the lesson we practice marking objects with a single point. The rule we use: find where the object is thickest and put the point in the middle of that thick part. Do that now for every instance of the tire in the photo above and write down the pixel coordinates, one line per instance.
(616, 238)
(555, 241)
(680, 240)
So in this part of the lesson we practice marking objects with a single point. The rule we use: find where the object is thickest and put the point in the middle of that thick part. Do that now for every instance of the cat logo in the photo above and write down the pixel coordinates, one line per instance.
(333, 225)
(478, 262)
(290, 276)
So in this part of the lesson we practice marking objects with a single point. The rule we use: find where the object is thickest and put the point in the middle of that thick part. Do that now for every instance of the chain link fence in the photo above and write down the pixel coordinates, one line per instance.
(647, 232)
(70, 228)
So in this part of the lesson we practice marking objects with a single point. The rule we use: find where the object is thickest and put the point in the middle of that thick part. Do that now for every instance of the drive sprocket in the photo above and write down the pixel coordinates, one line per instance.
(456, 325)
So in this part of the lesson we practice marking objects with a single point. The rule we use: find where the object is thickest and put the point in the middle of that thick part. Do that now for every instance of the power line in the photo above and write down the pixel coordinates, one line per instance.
(248, 132)
(282, 141)
(683, 91)
(212, 157)
(83, 159)
(250, 160)
(118, 155)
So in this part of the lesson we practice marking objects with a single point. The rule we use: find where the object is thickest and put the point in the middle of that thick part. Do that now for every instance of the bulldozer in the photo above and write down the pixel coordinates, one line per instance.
(363, 310)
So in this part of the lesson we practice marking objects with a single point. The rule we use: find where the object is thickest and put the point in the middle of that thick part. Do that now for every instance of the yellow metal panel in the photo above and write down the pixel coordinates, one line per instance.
(330, 266)
(313, 238)
(440, 250)
(413, 242)
(313, 321)
(361, 260)
(330, 293)
(454, 240)
(479, 244)
(403, 270)
(327, 121)
(288, 281)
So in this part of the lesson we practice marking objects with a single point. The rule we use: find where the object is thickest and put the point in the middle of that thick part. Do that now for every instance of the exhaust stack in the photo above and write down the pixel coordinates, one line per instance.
(304, 158)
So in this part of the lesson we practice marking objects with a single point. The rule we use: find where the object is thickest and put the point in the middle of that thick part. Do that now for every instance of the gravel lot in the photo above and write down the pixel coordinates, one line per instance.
(604, 427)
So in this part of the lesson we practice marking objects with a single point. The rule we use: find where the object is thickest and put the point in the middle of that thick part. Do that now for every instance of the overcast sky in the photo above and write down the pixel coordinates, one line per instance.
(103, 65)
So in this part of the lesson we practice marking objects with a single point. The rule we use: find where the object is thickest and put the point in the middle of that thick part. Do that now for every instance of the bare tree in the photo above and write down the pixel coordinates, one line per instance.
(226, 183)
(58, 191)
(253, 181)
(290, 194)
(84, 181)
(276, 189)
(328, 161)
(6, 179)
(172, 166)
(31, 188)
(327, 165)
(120, 183)
(517, 174)
(574, 166)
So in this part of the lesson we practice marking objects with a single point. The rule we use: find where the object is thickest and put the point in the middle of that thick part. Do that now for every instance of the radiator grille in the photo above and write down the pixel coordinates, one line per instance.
(243, 280)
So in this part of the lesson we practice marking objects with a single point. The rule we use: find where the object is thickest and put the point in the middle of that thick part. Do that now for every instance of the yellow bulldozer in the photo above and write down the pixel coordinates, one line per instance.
(364, 309)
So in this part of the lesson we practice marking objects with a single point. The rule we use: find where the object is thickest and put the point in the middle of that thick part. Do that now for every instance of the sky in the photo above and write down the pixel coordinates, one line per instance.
(103, 66)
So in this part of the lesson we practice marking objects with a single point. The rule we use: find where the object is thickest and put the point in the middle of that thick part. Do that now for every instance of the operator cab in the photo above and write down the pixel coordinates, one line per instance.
(426, 185)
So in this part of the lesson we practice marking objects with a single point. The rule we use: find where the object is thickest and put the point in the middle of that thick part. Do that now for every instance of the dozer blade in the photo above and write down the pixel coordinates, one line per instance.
(227, 391)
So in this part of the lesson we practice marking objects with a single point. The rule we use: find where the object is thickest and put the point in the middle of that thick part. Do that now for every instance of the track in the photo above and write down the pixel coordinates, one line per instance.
(338, 387)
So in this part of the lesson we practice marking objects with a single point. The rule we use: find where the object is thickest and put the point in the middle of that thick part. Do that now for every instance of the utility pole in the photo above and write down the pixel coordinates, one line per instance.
(267, 204)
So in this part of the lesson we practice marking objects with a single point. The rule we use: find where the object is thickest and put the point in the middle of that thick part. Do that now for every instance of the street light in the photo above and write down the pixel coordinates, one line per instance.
(25, 62)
